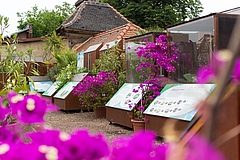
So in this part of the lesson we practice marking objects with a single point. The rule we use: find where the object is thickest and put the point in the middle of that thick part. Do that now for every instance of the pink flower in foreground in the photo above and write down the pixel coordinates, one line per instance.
(205, 75)
(210, 72)
(140, 146)
(31, 108)
(236, 70)
(197, 148)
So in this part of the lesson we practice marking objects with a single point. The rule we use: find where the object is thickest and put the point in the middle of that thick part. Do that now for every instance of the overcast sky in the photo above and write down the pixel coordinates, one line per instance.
(9, 8)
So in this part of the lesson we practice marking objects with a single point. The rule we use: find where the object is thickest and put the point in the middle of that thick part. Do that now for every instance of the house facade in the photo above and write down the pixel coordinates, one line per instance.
(89, 19)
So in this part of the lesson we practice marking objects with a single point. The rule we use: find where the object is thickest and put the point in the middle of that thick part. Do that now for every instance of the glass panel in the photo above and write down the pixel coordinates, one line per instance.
(195, 39)
(196, 50)
(133, 60)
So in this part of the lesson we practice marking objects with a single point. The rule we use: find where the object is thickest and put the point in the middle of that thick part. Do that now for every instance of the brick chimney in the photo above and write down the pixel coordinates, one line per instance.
(30, 31)
(81, 1)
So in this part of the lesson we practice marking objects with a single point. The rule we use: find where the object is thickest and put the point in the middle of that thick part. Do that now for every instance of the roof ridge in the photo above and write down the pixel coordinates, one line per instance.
(127, 25)
(112, 30)
(77, 15)
(96, 3)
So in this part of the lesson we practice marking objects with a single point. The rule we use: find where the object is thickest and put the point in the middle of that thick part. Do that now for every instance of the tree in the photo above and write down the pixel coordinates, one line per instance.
(4, 24)
(45, 21)
(161, 13)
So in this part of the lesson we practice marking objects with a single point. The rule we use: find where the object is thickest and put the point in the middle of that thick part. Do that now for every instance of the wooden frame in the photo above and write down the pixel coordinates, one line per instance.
(119, 116)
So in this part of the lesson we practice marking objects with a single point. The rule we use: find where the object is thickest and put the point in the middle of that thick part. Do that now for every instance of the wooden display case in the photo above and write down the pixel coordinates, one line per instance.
(156, 124)
(117, 108)
(119, 116)
(71, 102)
(51, 91)
(176, 101)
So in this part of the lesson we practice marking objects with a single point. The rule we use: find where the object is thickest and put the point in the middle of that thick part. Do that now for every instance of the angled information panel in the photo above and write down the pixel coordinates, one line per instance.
(65, 90)
(125, 96)
(179, 100)
(40, 86)
(52, 89)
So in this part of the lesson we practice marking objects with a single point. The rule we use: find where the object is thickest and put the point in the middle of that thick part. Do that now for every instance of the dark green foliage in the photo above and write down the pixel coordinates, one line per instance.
(112, 61)
(45, 21)
(161, 13)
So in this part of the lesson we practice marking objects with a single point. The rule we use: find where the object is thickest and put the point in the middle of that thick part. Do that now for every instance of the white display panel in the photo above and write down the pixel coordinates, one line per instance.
(179, 100)
(125, 96)
(52, 89)
(65, 90)
(40, 86)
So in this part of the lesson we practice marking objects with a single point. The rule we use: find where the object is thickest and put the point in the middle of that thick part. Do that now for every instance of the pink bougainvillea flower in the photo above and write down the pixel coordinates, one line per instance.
(77, 145)
(205, 75)
(140, 146)
(81, 145)
(236, 71)
(135, 90)
(13, 99)
(210, 72)
(10, 134)
(21, 152)
(199, 148)
(32, 108)
(196, 148)
(48, 137)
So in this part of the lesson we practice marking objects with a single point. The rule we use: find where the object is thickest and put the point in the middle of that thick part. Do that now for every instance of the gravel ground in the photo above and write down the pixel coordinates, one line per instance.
(69, 122)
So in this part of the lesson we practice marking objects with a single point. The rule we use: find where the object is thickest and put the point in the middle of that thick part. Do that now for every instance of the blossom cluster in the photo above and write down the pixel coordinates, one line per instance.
(26, 109)
(94, 91)
(156, 55)
(52, 144)
(210, 72)
(150, 89)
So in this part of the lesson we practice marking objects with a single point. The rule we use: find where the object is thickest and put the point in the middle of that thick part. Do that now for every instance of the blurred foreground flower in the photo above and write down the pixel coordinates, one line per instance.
(51, 144)
(197, 148)
(209, 73)
(141, 146)
(26, 109)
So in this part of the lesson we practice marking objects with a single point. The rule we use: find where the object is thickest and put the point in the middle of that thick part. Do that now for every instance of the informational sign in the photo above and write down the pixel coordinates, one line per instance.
(65, 90)
(128, 95)
(40, 86)
(52, 89)
(79, 77)
(179, 100)
(80, 60)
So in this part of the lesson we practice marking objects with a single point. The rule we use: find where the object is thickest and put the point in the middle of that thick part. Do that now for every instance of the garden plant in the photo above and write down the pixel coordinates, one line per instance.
(106, 77)
(161, 54)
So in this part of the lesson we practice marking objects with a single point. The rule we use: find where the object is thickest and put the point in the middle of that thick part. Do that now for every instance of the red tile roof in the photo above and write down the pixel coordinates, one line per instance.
(121, 32)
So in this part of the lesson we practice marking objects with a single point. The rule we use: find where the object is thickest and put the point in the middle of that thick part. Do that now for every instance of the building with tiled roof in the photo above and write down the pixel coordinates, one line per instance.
(90, 18)
(118, 33)
(94, 46)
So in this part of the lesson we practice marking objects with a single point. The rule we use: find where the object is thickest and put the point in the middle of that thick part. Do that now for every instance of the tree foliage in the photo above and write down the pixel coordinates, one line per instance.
(161, 13)
(45, 21)
(4, 24)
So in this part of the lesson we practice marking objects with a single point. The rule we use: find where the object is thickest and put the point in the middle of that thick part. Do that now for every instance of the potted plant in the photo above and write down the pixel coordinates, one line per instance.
(149, 90)
(155, 56)
(94, 91)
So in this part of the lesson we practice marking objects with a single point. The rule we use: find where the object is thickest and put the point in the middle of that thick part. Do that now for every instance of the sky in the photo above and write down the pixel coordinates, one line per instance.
(9, 8)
